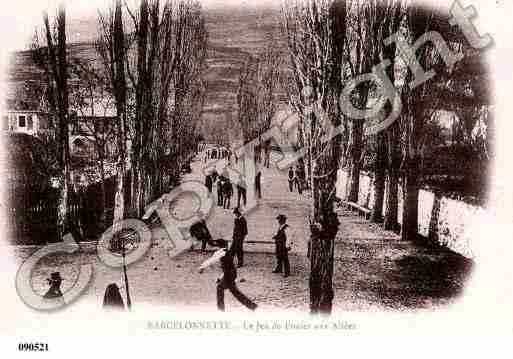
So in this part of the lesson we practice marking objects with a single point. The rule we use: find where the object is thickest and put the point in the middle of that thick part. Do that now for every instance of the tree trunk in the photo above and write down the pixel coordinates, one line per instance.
(356, 154)
(118, 57)
(392, 206)
(435, 215)
(394, 163)
(321, 271)
(136, 189)
(63, 215)
(379, 179)
(323, 232)
(103, 216)
(410, 226)
(119, 199)
(58, 64)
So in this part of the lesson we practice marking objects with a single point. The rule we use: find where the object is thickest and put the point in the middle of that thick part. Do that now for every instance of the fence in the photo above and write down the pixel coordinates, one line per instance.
(445, 221)
(32, 213)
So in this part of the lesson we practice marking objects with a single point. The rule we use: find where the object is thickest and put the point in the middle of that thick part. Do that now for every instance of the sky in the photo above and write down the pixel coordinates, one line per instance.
(18, 18)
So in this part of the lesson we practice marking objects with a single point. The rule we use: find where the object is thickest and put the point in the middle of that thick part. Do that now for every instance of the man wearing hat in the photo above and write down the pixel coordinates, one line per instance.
(220, 189)
(291, 179)
(282, 254)
(227, 193)
(208, 182)
(227, 281)
(240, 231)
(54, 294)
(199, 230)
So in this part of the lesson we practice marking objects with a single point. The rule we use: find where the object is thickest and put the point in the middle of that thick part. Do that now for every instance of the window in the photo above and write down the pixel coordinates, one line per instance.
(21, 121)
(30, 122)
(43, 122)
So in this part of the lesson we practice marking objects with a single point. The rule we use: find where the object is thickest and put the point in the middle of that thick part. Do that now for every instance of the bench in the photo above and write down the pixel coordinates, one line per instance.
(365, 211)
(259, 242)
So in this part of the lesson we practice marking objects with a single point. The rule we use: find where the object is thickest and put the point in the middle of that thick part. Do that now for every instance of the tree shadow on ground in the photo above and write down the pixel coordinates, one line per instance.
(402, 275)
(424, 279)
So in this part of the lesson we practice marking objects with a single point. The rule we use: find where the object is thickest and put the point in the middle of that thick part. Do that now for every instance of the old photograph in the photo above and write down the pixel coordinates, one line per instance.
(318, 157)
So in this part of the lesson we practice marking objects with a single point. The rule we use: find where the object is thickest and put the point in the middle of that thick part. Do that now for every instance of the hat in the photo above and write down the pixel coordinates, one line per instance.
(281, 217)
(55, 276)
(221, 243)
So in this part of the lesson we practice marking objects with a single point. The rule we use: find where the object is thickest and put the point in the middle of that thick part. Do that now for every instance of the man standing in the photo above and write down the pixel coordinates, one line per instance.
(229, 276)
(240, 231)
(54, 294)
(54, 282)
(214, 175)
(220, 188)
(291, 179)
(258, 184)
(282, 254)
(227, 193)
(241, 191)
(297, 180)
(208, 183)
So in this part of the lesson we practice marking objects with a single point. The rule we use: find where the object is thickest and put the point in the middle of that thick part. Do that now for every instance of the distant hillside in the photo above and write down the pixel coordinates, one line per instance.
(234, 34)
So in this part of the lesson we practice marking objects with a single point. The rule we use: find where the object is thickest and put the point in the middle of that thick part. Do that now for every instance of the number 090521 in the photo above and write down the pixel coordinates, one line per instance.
(33, 347)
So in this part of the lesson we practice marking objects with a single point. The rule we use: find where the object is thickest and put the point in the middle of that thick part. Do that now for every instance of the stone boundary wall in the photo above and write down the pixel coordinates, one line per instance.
(452, 219)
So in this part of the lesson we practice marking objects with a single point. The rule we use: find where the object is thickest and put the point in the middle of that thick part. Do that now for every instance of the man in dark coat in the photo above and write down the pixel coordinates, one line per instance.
(241, 191)
(280, 239)
(208, 183)
(298, 181)
(291, 179)
(258, 184)
(214, 175)
(199, 230)
(54, 282)
(240, 231)
(228, 279)
(220, 189)
(112, 300)
(227, 193)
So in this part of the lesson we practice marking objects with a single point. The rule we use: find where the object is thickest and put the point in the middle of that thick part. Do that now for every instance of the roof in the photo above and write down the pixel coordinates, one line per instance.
(101, 107)
(22, 104)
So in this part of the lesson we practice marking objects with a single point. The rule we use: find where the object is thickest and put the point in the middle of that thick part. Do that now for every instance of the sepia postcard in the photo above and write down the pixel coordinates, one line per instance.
(246, 172)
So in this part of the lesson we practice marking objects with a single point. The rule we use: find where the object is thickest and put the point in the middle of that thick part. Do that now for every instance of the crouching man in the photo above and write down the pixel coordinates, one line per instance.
(227, 281)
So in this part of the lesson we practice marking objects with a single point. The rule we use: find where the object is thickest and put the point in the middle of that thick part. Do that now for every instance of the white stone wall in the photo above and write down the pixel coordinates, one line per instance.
(454, 220)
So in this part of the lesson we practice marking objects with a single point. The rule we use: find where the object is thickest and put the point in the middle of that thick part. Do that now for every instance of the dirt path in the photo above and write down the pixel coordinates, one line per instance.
(373, 269)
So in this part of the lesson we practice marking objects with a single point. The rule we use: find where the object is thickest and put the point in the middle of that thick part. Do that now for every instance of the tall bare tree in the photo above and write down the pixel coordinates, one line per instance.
(421, 100)
(257, 95)
(382, 19)
(315, 33)
(113, 52)
(92, 100)
(59, 106)
(157, 75)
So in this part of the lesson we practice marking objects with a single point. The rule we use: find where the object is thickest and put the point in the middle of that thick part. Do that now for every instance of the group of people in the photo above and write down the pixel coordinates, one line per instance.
(226, 256)
(216, 154)
(225, 188)
(112, 299)
(296, 178)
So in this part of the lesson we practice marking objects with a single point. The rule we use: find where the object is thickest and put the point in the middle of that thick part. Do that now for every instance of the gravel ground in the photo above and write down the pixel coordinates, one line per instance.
(374, 270)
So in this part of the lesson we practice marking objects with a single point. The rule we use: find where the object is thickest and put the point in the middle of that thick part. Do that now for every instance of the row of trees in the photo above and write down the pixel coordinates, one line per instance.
(150, 73)
(258, 95)
(332, 42)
